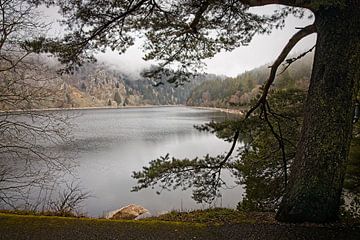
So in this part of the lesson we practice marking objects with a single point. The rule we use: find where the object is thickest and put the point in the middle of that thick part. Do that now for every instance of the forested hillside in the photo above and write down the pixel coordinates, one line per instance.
(238, 91)
(94, 85)
(100, 85)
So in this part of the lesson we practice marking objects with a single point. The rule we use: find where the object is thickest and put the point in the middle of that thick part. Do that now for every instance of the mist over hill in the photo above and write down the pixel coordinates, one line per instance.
(99, 85)
(238, 91)
(102, 85)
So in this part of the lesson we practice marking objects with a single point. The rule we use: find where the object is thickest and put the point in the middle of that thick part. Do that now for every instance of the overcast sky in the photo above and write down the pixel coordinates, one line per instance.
(262, 50)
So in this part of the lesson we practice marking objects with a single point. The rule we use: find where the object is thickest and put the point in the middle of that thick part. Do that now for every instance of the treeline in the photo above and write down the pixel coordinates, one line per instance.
(99, 85)
(110, 87)
(239, 91)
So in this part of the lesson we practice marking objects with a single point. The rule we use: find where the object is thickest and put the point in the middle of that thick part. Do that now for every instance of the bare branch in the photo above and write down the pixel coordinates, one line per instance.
(26, 164)
(290, 61)
(279, 138)
(262, 100)
(288, 47)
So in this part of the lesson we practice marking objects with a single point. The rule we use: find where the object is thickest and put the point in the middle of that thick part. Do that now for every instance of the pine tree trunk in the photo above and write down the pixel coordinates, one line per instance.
(317, 173)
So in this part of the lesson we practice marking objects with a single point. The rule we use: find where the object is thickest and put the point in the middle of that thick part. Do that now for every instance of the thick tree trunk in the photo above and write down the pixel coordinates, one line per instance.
(317, 173)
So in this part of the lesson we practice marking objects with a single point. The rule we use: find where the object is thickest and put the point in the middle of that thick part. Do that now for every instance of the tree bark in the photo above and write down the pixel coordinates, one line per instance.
(317, 173)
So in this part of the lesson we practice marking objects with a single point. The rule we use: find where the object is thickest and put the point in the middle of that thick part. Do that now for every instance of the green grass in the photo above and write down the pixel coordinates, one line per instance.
(41, 213)
(49, 227)
(218, 216)
(210, 216)
(208, 224)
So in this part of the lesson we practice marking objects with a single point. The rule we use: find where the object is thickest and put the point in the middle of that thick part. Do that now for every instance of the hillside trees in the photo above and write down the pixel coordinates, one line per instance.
(182, 33)
(234, 92)
(117, 98)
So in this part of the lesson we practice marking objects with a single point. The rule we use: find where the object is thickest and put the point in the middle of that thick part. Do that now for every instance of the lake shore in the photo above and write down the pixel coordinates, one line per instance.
(90, 108)
(225, 110)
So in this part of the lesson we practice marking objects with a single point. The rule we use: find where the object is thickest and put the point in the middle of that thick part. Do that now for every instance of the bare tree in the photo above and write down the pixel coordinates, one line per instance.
(29, 161)
(69, 200)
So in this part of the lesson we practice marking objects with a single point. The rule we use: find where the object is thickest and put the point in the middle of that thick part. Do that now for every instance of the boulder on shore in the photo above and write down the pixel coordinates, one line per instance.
(129, 212)
(143, 216)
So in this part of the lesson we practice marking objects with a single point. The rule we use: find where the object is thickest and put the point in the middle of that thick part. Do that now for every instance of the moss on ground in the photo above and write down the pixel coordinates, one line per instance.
(41, 213)
(219, 216)
(49, 227)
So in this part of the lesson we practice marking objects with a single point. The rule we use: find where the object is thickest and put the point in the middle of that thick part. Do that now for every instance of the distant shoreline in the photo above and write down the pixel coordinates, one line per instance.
(226, 110)
(90, 108)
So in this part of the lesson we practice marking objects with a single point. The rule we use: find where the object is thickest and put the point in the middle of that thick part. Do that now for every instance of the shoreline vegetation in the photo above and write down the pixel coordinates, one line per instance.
(225, 110)
(209, 216)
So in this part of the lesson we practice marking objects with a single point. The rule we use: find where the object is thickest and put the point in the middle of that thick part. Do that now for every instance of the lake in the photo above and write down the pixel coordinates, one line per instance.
(111, 143)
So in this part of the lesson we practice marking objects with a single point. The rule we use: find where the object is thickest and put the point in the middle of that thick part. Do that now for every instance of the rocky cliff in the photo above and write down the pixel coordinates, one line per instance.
(98, 85)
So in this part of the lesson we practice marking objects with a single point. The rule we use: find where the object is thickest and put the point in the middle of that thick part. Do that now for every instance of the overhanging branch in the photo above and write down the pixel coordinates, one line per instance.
(288, 47)
(262, 100)
(290, 61)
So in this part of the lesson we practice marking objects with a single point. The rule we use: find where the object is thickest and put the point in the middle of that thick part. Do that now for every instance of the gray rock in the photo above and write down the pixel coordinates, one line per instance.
(129, 212)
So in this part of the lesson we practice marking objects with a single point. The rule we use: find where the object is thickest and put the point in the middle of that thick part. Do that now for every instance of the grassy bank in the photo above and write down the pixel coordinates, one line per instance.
(45, 227)
(19, 227)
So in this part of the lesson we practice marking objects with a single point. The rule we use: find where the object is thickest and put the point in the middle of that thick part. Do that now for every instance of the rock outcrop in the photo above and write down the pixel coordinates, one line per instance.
(129, 212)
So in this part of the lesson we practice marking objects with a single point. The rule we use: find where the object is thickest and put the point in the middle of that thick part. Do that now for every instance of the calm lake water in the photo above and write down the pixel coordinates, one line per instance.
(111, 143)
